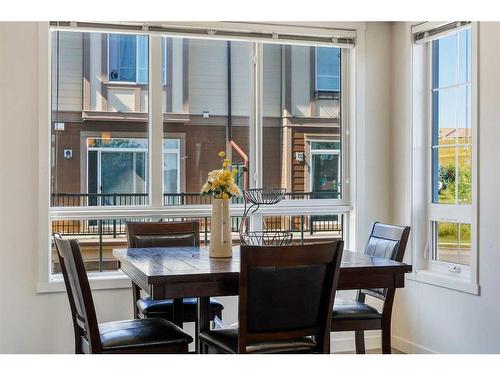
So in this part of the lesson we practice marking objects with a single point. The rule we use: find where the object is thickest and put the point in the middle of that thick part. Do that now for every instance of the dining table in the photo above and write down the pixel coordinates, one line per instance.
(179, 272)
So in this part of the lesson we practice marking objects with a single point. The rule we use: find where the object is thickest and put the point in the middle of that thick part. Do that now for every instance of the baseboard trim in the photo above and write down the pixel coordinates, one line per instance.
(373, 341)
(346, 344)
(410, 347)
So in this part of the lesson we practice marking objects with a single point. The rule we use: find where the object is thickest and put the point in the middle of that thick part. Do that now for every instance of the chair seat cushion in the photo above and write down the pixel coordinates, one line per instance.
(227, 340)
(141, 333)
(352, 310)
(164, 308)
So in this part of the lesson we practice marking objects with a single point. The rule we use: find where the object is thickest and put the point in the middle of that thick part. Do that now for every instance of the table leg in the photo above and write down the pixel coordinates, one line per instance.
(203, 316)
(178, 312)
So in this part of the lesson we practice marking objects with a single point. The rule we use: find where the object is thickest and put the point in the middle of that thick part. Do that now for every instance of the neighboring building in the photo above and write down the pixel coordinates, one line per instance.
(100, 104)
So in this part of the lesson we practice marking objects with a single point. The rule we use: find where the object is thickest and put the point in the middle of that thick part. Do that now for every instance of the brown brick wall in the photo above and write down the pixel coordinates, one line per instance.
(202, 143)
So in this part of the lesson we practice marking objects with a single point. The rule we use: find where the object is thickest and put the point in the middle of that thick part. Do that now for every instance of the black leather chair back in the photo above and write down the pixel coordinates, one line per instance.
(389, 242)
(287, 292)
(163, 234)
(79, 293)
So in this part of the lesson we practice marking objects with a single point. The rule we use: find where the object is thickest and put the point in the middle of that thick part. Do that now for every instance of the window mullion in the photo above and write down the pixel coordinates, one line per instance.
(155, 122)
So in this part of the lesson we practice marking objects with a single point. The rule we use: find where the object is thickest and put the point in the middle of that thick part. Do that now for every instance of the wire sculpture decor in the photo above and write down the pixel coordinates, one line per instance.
(254, 198)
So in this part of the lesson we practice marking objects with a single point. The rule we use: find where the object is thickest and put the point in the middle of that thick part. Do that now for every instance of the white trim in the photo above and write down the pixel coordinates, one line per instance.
(97, 280)
(44, 150)
(155, 121)
(238, 31)
(409, 347)
(290, 207)
(427, 27)
(444, 281)
(427, 270)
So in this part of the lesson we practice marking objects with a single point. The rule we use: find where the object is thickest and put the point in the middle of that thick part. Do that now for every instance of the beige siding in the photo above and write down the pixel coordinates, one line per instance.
(67, 71)
(240, 69)
(207, 77)
(300, 81)
(177, 75)
(327, 108)
(121, 100)
(95, 71)
(272, 80)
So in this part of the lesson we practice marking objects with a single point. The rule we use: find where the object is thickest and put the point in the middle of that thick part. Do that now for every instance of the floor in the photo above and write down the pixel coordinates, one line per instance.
(373, 351)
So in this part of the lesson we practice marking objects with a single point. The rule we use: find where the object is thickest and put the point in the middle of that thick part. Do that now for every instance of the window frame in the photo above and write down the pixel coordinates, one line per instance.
(155, 208)
(443, 212)
(427, 269)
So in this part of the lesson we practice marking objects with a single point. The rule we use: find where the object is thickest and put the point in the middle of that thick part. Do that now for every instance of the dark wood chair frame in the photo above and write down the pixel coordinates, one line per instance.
(359, 326)
(85, 325)
(329, 253)
(160, 228)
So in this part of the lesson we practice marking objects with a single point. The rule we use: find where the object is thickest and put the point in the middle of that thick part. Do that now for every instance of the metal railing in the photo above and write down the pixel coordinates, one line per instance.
(99, 236)
(115, 227)
(169, 199)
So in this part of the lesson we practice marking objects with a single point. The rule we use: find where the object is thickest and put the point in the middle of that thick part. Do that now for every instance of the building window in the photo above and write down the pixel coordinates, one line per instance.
(128, 58)
(116, 171)
(451, 148)
(171, 166)
(325, 169)
(327, 69)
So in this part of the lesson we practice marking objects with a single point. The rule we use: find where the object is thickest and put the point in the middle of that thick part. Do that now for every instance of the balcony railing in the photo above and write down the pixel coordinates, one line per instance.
(169, 199)
(114, 227)
(99, 237)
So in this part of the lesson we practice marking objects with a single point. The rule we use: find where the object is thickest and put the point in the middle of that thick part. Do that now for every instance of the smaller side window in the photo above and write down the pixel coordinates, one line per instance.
(327, 71)
(128, 58)
(122, 57)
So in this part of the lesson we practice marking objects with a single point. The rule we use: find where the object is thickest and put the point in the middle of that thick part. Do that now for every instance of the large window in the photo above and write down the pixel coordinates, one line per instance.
(444, 162)
(451, 148)
(137, 122)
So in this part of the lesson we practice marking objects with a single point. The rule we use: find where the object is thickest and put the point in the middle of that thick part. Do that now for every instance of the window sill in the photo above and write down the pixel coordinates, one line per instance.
(113, 280)
(443, 280)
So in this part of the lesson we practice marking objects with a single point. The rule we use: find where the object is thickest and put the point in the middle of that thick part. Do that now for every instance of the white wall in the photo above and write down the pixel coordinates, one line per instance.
(427, 317)
(40, 323)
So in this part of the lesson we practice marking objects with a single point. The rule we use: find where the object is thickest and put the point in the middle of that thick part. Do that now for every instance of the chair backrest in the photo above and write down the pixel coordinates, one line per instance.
(163, 234)
(386, 241)
(79, 294)
(287, 292)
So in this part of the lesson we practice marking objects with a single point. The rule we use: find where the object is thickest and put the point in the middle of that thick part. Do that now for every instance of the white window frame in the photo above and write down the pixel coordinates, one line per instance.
(155, 208)
(426, 269)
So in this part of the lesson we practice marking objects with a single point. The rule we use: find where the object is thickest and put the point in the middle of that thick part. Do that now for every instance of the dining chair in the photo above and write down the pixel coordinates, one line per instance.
(286, 294)
(167, 234)
(385, 241)
(153, 335)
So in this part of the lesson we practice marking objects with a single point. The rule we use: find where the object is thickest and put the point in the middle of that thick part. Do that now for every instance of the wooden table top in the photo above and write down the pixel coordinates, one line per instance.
(175, 264)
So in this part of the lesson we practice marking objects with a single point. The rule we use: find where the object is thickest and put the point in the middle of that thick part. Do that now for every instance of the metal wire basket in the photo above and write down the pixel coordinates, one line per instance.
(264, 196)
(267, 238)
